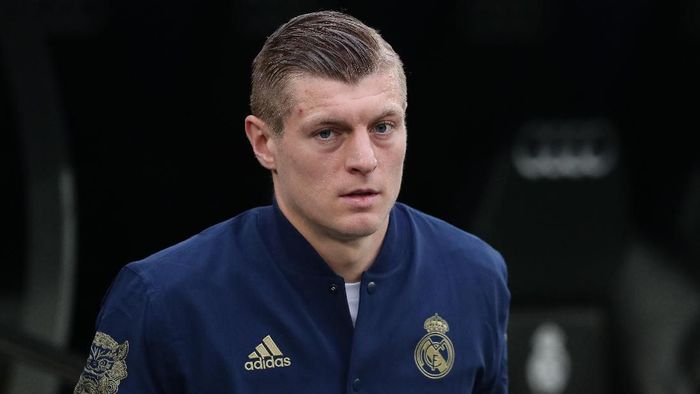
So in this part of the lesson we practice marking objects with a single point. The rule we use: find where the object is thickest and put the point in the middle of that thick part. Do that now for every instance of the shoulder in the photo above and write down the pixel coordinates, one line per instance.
(203, 255)
(454, 245)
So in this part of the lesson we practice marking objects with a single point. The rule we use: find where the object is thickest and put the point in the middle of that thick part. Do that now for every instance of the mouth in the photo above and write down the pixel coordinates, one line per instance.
(361, 193)
(361, 198)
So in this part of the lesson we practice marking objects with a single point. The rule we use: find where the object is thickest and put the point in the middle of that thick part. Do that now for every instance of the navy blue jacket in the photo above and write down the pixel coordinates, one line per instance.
(248, 306)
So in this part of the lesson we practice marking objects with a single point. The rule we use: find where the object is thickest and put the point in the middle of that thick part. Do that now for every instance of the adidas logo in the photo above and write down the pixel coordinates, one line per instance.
(267, 355)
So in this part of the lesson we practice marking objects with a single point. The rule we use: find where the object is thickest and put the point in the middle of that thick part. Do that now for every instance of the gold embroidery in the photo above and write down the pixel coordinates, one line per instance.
(434, 354)
(266, 355)
(105, 368)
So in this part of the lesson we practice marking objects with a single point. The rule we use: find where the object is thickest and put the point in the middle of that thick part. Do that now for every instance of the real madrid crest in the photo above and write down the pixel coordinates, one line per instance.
(434, 353)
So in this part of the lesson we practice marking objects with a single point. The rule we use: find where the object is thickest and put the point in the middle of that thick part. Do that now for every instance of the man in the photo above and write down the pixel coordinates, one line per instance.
(335, 287)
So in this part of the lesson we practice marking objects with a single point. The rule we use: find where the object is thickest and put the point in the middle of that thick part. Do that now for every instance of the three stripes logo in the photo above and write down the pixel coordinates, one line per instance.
(267, 355)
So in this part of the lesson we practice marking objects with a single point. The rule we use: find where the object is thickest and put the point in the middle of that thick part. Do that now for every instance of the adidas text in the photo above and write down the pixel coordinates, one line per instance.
(268, 363)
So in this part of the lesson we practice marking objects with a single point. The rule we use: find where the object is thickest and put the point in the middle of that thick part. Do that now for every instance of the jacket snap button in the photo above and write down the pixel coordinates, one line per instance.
(371, 286)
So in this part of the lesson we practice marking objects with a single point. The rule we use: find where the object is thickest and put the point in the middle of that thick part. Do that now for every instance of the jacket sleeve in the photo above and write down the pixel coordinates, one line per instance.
(125, 355)
(497, 377)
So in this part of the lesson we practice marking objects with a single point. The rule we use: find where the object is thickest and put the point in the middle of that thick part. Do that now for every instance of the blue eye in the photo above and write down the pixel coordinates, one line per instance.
(382, 128)
(325, 134)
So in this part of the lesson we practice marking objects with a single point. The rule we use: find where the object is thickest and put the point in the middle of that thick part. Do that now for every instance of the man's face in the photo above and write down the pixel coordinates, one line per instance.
(339, 161)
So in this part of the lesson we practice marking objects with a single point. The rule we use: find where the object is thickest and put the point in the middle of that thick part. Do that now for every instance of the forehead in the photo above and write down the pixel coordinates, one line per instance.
(310, 94)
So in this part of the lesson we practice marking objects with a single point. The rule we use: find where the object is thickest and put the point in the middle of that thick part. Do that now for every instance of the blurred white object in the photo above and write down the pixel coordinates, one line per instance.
(549, 365)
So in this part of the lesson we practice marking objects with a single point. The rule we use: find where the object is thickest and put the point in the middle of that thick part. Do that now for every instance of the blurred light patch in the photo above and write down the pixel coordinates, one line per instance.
(570, 149)
(549, 364)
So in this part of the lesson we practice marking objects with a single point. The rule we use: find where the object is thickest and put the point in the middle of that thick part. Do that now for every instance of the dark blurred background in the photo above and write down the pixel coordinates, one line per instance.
(558, 131)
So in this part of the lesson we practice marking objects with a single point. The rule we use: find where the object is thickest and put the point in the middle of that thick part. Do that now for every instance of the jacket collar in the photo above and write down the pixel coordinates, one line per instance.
(293, 253)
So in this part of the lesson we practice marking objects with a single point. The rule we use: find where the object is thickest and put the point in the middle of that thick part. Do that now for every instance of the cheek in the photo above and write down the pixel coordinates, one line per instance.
(395, 159)
(304, 167)
(307, 173)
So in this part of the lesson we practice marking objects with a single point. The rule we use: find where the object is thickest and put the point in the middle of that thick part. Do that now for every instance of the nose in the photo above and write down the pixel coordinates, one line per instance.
(361, 157)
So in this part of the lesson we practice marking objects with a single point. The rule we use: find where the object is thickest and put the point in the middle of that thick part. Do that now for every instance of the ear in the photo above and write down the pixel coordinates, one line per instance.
(261, 140)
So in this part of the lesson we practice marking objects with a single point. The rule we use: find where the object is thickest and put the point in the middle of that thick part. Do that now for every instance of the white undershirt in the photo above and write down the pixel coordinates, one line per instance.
(352, 291)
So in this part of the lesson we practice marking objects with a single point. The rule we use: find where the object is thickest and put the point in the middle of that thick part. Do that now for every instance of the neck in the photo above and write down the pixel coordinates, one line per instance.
(348, 257)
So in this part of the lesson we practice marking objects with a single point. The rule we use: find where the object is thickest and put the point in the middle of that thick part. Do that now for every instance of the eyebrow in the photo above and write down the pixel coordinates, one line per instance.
(389, 113)
(331, 121)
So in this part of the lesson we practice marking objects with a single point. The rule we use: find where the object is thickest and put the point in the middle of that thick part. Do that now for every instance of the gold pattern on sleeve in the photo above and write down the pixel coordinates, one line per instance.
(105, 368)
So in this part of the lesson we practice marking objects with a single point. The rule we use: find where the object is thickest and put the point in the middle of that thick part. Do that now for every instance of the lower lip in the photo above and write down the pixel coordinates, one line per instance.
(360, 200)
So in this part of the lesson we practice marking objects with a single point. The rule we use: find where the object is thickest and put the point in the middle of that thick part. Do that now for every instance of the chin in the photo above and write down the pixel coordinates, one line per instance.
(359, 227)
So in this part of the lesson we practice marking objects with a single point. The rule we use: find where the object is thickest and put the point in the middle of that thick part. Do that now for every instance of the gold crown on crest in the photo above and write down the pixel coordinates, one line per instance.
(436, 324)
